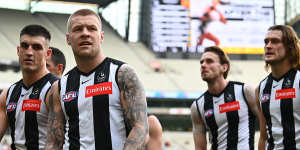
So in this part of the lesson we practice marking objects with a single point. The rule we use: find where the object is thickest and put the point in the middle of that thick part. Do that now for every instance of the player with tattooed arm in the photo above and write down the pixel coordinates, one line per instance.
(101, 101)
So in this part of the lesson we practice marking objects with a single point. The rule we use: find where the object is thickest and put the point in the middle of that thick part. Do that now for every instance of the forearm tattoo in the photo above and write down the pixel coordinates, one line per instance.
(55, 137)
(134, 104)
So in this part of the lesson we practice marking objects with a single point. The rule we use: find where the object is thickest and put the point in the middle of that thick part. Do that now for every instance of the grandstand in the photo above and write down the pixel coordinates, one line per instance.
(174, 75)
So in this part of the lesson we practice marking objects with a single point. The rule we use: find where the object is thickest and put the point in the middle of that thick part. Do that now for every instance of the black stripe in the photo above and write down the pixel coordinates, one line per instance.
(211, 121)
(266, 111)
(101, 112)
(251, 122)
(232, 118)
(71, 107)
(287, 114)
(31, 122)
(11, 115)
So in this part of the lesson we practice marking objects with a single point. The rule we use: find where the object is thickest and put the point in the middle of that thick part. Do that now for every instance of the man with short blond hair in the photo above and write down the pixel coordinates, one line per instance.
(101, 100)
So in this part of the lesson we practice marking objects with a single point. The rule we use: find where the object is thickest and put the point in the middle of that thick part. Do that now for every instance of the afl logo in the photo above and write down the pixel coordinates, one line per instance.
(265, 98)
(69, 96)
(11, 107)
(208, 113)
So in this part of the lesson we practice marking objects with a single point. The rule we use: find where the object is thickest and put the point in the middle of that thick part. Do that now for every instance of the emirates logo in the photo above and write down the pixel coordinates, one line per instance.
(98, 89)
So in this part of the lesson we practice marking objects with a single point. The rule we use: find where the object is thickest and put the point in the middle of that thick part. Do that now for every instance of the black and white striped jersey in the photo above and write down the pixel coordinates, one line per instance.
(92, 108)
(27, 113)
(228, 118)
(280, 103)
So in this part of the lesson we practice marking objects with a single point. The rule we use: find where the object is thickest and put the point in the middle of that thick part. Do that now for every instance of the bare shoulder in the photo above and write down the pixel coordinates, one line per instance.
(3, 97)
(155, 128)
(194, 109)
(249, 89)
(52, 92)
(154, 122)
(152, 118)
(249, 92)
(127, 74)
(195, 114)
(131, 87)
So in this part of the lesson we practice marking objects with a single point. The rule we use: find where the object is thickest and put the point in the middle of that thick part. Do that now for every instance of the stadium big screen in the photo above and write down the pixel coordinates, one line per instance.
(183, 28)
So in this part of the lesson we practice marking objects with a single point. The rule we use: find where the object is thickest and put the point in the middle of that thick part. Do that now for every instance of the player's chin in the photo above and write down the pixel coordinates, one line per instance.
(205, 78)
(269, 60)
(29, 68)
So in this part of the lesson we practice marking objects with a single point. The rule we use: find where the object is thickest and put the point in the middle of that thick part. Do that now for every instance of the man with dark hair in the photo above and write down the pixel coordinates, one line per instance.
(101, 100)
(56, 64)
(227, 109)
(22, 105)
(278, 95)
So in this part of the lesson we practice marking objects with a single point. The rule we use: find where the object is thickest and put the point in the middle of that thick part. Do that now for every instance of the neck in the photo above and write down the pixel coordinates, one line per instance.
(87, 65)
(217, 86)
(278, 70)
(31, 77)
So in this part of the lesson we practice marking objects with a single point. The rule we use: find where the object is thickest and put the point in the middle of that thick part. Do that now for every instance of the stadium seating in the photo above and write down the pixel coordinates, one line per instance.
(174, 74)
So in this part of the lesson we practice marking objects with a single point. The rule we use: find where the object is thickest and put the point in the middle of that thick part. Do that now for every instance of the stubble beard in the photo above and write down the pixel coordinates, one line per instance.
(275, 61)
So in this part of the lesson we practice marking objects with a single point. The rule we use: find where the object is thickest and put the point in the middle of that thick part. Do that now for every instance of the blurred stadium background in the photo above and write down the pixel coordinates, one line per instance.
(159, 39)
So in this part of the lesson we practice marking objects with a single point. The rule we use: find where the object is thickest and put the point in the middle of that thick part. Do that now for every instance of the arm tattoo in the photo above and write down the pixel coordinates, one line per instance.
(55, 137)
(134, 103)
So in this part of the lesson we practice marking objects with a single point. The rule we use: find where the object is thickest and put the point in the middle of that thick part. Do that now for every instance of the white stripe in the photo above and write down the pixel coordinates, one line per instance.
(86, 117)
(117, 126)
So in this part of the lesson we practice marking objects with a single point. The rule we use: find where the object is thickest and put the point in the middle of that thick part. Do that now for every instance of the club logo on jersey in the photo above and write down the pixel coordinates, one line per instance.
(98, 89)
(208, 113)
(229, 97)
(285, 93)
(69, 96)
(265, 98)
(31, 105)
(101, 77)
(11, 107)
(231, 106)
(35, 92)
(288, 83)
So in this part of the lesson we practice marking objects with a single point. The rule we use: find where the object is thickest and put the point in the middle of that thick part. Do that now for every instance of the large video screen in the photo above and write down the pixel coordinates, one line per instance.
(238, 26)
(188, 26)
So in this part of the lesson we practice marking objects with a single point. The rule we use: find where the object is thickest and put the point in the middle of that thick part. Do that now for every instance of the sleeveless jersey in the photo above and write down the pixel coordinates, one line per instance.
(27, 113)
(228, 118)
(92, 108)
(280, 103)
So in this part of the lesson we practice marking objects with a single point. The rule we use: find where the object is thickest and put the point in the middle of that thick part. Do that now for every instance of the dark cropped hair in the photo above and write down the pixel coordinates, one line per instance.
(224, 59)
(36, 30)
(290, 42)
(58, 57)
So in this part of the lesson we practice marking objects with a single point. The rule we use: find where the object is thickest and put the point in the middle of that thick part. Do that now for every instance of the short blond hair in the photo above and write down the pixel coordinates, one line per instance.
(82, 12)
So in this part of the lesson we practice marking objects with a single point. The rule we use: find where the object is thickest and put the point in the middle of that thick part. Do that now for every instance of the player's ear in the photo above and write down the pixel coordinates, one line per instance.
(101, 36)
(18, 50)
(60, 68)
(48, 54)
(225, 67)
(68, 38)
